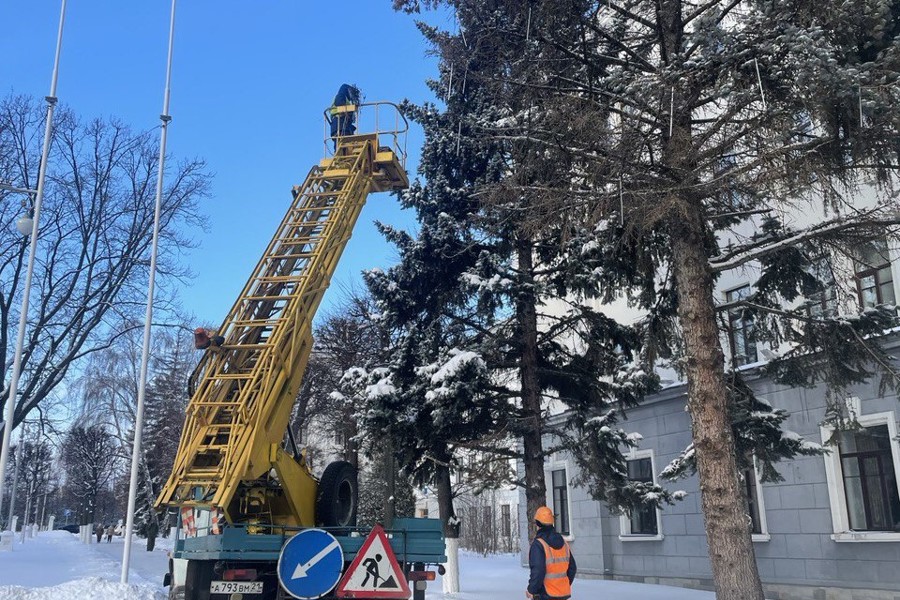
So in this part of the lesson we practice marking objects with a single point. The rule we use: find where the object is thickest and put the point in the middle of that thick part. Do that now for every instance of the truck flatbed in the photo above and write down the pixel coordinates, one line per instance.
(412, 540)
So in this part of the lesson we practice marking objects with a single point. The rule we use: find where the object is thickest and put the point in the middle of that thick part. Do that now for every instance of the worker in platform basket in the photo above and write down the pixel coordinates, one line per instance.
(551, 561)
(344, 123)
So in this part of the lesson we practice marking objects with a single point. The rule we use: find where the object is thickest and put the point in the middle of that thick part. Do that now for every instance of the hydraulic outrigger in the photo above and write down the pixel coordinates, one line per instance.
(232, 463)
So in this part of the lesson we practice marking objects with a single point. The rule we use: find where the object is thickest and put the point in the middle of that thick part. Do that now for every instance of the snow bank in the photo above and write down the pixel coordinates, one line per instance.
(90, 587)
(56, 566)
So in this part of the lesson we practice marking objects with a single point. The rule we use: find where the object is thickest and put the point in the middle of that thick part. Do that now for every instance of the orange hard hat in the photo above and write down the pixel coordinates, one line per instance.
(544, 516)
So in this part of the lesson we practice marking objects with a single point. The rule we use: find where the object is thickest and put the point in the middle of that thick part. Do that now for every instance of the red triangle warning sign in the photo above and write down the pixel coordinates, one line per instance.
(374, 573)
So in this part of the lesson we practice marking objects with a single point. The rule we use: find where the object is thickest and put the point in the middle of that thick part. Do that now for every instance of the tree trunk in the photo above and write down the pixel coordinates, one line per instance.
(389, 465)
(350, 429)
(451, 524)
(727, 525)
(532, 444)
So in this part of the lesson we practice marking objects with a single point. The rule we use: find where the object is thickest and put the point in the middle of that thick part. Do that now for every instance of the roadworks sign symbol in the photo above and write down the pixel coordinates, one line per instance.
(374, 573)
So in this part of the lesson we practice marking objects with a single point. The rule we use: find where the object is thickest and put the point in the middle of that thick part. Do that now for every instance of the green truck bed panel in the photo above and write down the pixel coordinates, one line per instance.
(413, 540)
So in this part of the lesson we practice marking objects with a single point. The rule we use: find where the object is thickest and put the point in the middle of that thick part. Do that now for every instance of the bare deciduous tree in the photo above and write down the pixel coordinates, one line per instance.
(95, 234)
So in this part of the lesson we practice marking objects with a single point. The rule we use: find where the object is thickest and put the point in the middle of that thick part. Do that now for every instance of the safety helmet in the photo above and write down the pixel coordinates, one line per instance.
(544, 516)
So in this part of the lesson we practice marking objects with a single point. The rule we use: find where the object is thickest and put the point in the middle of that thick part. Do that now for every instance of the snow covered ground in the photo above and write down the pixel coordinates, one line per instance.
(55, 566)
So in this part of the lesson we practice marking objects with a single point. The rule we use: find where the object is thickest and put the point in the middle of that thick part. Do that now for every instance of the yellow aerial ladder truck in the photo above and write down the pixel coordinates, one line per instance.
(239, 489)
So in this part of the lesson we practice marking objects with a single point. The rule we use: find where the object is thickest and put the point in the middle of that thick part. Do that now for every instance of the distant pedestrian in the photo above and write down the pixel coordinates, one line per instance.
(551, 561)
(109, 533)
(99, 531)
(152, 532)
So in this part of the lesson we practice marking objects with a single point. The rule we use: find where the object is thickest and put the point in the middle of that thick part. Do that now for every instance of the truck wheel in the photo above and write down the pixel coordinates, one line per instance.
(337, 496)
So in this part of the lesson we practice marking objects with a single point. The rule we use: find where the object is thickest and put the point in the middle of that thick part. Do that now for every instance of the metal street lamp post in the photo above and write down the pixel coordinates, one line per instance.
(145, 352)
(26, 292)
(15, 482)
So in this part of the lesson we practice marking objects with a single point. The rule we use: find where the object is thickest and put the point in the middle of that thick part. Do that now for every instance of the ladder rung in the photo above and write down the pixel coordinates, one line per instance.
(300, 254)
(256, 322)
(260, 298)
(231, 376)
(292, 241)
(276, 279)
(246, 346)
(224, 404)
(266, 298)
(304, 255)
(315, 209)
(195, 473)
(309, 239)
(316, 223)
(329, 194)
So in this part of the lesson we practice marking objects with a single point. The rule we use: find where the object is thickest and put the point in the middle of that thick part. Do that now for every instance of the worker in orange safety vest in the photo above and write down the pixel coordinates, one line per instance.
(551, 561)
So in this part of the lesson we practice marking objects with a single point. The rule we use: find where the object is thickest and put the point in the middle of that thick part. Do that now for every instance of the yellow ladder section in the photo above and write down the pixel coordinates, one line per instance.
(244, 391)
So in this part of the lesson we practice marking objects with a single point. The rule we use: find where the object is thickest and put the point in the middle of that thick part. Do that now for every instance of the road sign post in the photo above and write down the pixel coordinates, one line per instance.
(310, 564)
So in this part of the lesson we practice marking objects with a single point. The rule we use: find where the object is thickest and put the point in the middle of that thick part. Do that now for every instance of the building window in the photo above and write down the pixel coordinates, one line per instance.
(870, 482)
(862, 472)
(823, 303)
(756, 507)
(642, 522)
(740, 328)
(752, 492)
(874, 279)
(561, 500)
(729, 196)
(643, 518)
(505, 521)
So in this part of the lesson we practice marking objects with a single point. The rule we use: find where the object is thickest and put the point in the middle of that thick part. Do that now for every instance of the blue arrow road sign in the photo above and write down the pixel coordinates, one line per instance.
(310, 564)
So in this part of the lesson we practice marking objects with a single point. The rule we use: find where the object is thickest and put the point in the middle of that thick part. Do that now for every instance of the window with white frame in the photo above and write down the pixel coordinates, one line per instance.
(505, 520)
(730, 195)
(560, 500)
(874, 277)
(756, 506)
(642, 521)
(741, 327)
(823, 303)
(862, 472)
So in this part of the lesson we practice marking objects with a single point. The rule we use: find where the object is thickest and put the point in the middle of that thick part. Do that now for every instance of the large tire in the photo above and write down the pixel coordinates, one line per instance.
(338, 496)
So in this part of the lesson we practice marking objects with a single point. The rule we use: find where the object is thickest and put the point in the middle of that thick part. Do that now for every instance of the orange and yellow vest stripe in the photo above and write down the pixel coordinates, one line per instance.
(556, 581)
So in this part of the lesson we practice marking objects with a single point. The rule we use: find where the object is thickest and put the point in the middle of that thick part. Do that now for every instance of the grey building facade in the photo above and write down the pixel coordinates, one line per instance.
(830, 530)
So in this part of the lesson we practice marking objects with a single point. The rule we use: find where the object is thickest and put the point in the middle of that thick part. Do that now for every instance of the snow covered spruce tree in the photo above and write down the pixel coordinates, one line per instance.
(165, 405)
(89, 459)
(478, 358)
(346, 338)
(701, 137)
(109, 389)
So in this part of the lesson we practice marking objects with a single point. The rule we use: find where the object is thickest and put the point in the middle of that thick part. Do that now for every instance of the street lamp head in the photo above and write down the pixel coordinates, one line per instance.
(25, 224)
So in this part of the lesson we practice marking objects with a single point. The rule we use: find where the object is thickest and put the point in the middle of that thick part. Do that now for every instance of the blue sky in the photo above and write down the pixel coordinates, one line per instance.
(250, 80)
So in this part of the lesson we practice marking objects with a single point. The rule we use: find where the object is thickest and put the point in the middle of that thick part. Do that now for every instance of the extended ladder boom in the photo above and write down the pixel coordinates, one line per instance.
(245, 389)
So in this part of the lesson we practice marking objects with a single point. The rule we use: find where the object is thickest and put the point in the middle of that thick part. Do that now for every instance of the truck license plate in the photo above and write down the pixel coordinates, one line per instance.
(236, 587)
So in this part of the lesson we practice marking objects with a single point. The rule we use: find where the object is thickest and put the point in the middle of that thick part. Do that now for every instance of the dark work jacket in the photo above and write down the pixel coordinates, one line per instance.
(345, 123)
(537, 560)
(347, 94)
